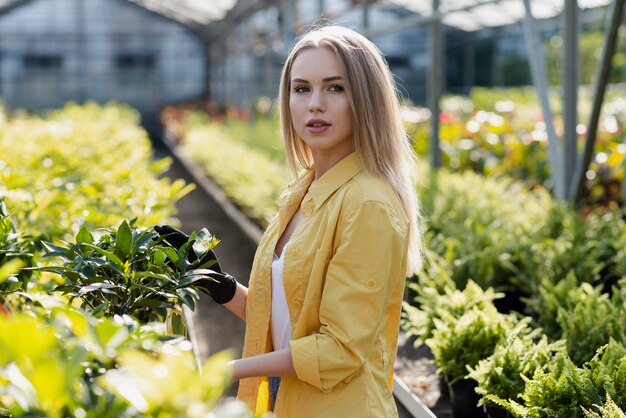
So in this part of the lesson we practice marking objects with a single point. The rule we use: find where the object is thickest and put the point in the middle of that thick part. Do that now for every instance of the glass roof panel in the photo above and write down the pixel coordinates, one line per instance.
(189, 12)
(476, 14)
(200, 12)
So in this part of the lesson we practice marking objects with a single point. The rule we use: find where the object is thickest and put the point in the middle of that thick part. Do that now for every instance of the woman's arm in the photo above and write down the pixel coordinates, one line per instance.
(276, 363)
(237, 304)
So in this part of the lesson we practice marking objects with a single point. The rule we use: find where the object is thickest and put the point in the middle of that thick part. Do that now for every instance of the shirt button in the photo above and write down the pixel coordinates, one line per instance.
(297, 305)
(294, 253)
(307, 210)
(371, 283)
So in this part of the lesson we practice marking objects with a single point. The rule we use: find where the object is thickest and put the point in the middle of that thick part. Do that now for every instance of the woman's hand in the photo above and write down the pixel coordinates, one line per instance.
(219, 285)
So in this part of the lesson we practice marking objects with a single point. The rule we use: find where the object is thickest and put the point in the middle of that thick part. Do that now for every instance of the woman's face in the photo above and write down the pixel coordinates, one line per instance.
(320, 112)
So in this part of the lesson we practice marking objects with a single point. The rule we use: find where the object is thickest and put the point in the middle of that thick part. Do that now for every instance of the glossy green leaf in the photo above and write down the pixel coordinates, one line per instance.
(97, 286)
(84, 236)
(123, 240)
(189, 297)
(171, 254)
(159, 258)
(146, 302)
(112, 257)
(178, 325)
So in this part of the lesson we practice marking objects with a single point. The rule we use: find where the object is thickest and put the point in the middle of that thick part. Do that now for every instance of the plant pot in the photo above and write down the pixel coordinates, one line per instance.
(463, 399)
(444, 389)
(495, 411)
(511, 302)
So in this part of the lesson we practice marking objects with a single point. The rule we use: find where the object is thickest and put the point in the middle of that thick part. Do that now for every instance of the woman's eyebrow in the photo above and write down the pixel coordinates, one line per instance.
(324, 80)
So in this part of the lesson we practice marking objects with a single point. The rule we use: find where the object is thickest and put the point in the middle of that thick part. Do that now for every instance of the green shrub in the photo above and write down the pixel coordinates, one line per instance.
(83, 165)
(460, 343)
(129, 272)
(565, 390)
(514, 359)
(608, 410)
(549, 299)
(250, 178)
(449, 302)
(592, 320)
(64, 362)
(15, 253)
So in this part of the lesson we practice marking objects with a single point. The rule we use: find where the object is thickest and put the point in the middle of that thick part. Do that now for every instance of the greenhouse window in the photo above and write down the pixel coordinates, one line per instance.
(397, 61)
(135, 61)
(42, 61)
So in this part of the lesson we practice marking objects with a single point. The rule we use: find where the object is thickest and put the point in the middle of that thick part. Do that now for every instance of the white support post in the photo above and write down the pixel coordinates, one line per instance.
(365, 24)
(538, 71)
(570, 91)
(435, 84)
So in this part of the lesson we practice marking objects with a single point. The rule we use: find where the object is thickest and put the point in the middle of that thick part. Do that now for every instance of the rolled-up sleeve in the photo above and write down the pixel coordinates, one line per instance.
(366, 266)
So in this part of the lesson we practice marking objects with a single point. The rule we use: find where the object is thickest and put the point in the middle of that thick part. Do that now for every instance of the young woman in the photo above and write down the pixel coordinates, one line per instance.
(323, 305)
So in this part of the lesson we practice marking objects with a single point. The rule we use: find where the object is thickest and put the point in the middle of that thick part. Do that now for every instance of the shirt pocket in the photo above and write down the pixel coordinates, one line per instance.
(317, 276)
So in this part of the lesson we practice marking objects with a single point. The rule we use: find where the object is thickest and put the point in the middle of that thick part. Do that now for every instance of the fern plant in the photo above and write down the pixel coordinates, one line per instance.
(567, 391)
(608, 410)
(592, 320)
(559, 392)
(461, 342)
(433, 304)
(517, 357)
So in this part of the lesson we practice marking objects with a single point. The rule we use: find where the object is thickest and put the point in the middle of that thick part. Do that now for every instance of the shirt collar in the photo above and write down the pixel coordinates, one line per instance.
(334, 178)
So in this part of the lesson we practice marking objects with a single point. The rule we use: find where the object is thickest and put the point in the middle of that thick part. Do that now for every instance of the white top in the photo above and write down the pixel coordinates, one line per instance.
(281, 322)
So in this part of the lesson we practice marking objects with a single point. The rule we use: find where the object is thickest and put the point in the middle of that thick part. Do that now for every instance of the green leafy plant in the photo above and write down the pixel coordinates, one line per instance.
(83, 165)
(565, 390)
(559, 392)
(592, 320)
(581, 314)
(253, 180)
(461, 342)
(514, 359)
(608, 410)
(433, 304)
(15, 252)
(549, 299)
(128, 271)
(62, 361)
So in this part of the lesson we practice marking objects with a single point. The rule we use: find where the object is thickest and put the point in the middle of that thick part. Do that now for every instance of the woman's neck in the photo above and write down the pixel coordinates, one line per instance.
(324, 162)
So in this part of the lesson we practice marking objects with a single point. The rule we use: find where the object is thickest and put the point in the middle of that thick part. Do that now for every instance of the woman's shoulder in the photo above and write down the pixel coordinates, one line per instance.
(365, 188)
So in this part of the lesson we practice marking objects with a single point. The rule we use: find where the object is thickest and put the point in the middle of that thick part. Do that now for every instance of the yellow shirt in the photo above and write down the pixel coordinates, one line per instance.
(344, 277)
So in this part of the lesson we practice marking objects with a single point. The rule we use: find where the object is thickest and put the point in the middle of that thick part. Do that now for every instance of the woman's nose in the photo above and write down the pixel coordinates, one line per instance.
(316, 102)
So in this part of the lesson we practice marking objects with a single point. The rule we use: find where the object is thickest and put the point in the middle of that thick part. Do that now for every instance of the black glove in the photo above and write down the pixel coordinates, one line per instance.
(219, 285)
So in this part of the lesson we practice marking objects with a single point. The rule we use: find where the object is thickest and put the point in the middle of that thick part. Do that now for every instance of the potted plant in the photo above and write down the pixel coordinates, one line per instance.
(128, 271)
(591, 320)
(433, 301)
(564, 390)
(459, 343)
(514, 359)
(608, 410)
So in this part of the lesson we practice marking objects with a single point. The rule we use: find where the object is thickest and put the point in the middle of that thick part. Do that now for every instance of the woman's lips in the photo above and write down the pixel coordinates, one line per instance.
(317, 126)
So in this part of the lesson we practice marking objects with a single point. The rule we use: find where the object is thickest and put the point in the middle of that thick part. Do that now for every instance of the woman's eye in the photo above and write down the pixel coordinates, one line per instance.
(301, 89)
(336, 88)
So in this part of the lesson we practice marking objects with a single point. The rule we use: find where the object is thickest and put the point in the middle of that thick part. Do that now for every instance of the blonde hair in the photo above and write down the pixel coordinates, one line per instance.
(380, 140)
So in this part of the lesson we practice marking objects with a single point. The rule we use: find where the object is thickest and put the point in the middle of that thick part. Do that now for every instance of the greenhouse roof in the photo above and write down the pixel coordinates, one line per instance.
(472, 15)
(190, 12)
(194, 13)
(468, 15)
